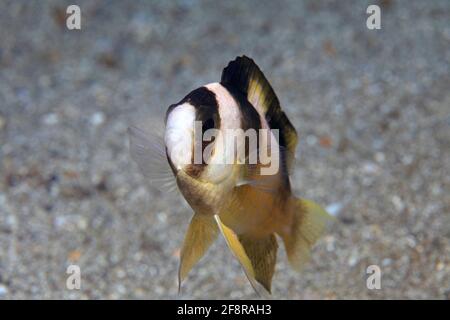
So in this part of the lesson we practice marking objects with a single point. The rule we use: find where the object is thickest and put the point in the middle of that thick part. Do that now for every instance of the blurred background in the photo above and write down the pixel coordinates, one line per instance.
(372, 108)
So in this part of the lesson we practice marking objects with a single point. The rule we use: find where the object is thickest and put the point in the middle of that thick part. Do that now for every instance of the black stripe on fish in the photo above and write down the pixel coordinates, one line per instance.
(207, 111)
(206, 108)
(249, 116)
(205, 103)
(251, 119)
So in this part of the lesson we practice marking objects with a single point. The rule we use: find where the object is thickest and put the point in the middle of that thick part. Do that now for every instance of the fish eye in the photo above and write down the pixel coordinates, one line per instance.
(208, 124)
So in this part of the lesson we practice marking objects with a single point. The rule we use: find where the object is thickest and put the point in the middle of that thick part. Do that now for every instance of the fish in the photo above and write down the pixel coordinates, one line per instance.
(230, 195)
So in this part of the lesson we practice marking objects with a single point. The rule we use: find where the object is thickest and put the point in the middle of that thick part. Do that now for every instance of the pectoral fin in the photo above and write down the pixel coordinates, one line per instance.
(201, 233)
(238, 251)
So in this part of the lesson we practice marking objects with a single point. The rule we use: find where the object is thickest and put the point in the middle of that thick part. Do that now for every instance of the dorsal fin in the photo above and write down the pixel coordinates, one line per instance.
(244, 75)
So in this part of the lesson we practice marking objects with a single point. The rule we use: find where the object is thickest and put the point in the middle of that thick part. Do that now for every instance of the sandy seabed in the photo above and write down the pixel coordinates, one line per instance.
(372, 109)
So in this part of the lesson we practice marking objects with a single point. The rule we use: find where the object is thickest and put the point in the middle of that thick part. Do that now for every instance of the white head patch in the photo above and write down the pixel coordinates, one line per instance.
(179, 134)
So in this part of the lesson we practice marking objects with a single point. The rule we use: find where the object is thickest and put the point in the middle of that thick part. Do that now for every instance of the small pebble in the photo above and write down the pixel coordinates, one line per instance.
(97, 119)
(50, 119)
(370, 168)
(386, 262)
(407, 159)
(353, 259)
(2, 123)
(334, 209)
(311, 140)
(3, 290)
(379, 157)
(398, 203)
(162, 217)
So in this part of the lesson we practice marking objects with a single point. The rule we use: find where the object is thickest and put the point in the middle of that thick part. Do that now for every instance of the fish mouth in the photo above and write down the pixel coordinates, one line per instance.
(192, 170)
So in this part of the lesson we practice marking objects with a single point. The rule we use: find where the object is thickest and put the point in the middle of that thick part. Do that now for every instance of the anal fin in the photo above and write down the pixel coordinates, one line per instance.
(263, 256)
(238, 251)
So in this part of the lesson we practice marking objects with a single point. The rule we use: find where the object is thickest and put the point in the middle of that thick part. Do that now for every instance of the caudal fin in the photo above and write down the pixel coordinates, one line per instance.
(307, 225)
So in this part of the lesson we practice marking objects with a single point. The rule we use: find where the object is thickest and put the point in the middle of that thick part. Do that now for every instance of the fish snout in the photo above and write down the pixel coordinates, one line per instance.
(178, 136)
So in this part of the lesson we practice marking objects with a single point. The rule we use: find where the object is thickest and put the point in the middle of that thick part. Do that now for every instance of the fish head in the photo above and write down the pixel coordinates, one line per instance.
(191, 128)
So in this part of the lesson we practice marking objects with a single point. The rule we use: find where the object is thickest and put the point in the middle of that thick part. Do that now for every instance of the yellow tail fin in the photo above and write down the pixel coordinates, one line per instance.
(308, 223)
